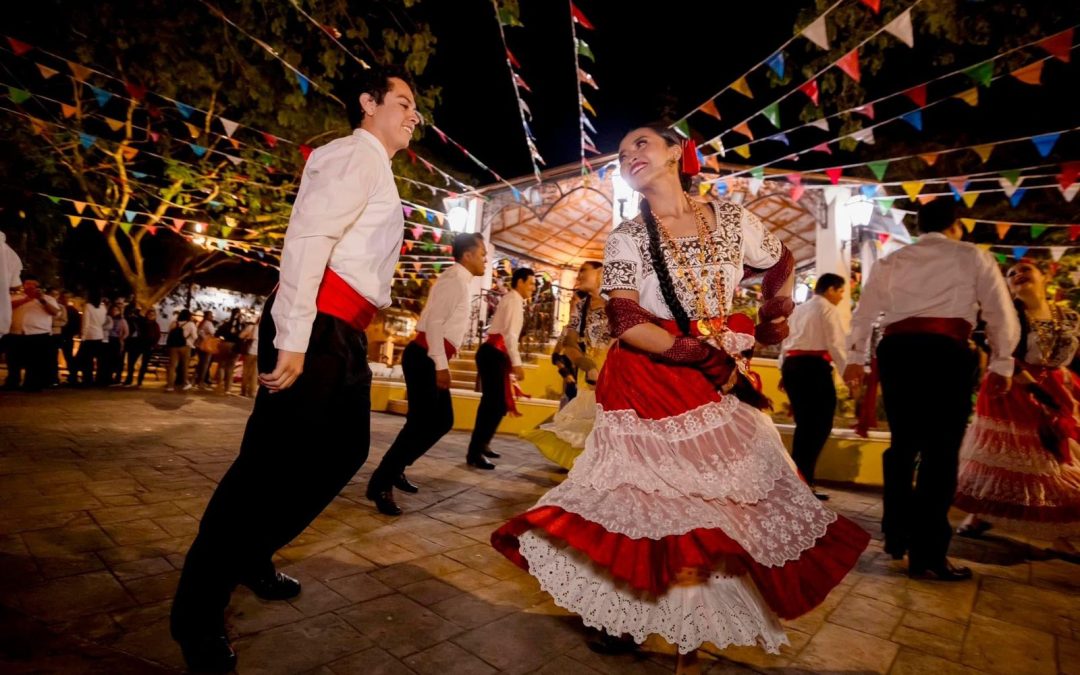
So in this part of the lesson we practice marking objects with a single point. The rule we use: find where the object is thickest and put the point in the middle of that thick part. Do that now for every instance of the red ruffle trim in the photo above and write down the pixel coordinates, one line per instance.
(651, 565)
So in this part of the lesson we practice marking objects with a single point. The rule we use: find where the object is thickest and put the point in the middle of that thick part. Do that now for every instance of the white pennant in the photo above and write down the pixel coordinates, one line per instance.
(900, 27)
(897, 216)
(1008, 187)
(822, 124)
(754, 185)
(1070, 192)
(525, 108)
(817, 33)
(235, 160)
(229, 126)
(1057, 251)
(588, 125)
(864, 136)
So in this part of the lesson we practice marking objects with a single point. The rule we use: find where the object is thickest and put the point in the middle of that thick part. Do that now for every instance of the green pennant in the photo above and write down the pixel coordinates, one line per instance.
(18, 95)
(1036, 230)
(982, 73)
(226, 231)
(54, 200)
(126, 227)
(1012, 176)
(683, 128)
(758, 172)
(884, 205)
(878, 168)
(1001, 258)
(508, 18)
(772, 113)
(583, 50)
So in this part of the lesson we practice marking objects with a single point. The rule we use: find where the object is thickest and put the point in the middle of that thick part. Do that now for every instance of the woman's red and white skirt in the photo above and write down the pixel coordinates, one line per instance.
(678, 477)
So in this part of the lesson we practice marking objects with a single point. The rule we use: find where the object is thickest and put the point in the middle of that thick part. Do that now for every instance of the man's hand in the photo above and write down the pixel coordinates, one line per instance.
(999, 385)
(854, 375)
(519, 373)
(289, 367)
(442, 379)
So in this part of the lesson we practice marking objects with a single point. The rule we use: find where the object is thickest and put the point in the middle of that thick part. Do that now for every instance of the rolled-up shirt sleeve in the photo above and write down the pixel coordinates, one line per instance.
(334, 190)
(1002, 324)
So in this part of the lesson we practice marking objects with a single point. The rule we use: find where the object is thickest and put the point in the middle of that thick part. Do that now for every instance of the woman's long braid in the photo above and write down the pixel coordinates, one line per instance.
(663, 274)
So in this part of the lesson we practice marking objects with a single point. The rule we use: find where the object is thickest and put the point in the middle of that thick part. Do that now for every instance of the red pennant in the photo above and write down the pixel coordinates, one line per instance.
(834, 174)
(305, 151)
(918, 95)
(436, 235)
(1059, 46)
(579, 17)
(153, 111)
(797, 192)
(442, 136)
(873, 4)
(811, 90)
(710, 109)
(1074, 232)
(155, 136)
(151, 230)
(18, 46)
(135, 91)
(412, 155)
(1069, 173)
(849, 63)
(513, 61)
(270, 139)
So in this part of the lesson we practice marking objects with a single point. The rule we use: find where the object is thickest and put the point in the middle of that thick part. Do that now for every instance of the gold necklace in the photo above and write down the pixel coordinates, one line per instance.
(706, 252)
(1046, 333)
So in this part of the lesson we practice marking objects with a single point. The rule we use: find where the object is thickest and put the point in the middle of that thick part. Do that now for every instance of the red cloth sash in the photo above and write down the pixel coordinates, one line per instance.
(338, 299)
(448, 347)
(510, 389)
(957, 329)
(820, 353)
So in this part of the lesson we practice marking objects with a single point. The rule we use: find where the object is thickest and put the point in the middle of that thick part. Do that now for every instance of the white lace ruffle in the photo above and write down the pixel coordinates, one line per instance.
(721, 450)
(575, 420)
(726, 610)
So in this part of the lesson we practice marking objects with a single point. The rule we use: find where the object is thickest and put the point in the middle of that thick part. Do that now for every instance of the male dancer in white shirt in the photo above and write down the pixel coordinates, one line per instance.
(426, 365)
(928, 294)
(310, 429)
(496, 359)
(814, 344)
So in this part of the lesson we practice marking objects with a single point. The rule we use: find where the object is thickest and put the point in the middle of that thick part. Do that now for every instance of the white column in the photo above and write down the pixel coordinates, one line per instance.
(833, 244)
(481, 283)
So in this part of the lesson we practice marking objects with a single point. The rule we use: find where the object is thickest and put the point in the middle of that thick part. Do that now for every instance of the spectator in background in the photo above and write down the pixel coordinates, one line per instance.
(206, 330)
(59, 323)
(31, 324)
(117, 333)
(10, 271)
(229, 332)
(181, 338)
(133, 343)
(143, 348)
(67, 336)
(249, 347)
(92, 332)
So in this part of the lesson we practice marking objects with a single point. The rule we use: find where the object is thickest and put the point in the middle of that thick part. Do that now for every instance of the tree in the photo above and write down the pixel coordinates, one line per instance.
(147, 166)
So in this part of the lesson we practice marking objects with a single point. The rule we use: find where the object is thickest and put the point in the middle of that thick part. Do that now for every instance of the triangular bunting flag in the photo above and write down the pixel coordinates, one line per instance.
(929, 157)
(742, 87)
(683, 127)
(1057, 251)
(900, 28)
(193, 130)
(199, 150)
(585, 104)
(1059, 46)
(525, 108)
(135, 91)
(151, 230)
(305, 151)
(1070, 171)
(588, 125)
(129, 154)
(864, 136)
(868, 191)
(155, 136)
(1017, 196)
(229, 126)
(958, 186)
(822, 147)
(754, 186)
(1045, 143)
(797, 192)
(18, 46)
(234, 159)
(914, 118)
(873, 4)
(304, 83)
(582, 50)
(983, 151)
(129, 216)
(917, 95)
(1029, 74)
(912, 188)
(1008, 187)
(1002, 228)
(982, 74)
(75, 220)
(822, 124)
(709, 108)
(86, 139)
(577, 16)
(185, 109)
(126, 227)
(866, 110)
(776, 63)
(38, 127)
(1013, 176)
(270, 139)
(115, 125)
(811, 90)
(744, 129)
(46, 72)
(849, 63)
(1070, 192)
(1074, 232)
(1001, 258)
(758, 172)
(878, 168)
(81, 72)
(520, 81)
(834, 175)
(586, 78)
(100, 225)
(772, 113)
(781, 137)
(971, 96)
(18, 95)
(818, 33)
(1037, 230)
(742, 151)
(968, 223)
(703, 189)
(885, 205)
(68, 110)
(969, 198)
(1020, 251)
(177, 224)
(79, 207)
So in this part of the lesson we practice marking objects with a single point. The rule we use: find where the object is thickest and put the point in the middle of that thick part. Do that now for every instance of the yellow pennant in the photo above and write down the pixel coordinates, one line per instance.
(703, 189)
(585, 104)
(969, 198)
(968, 223)
(192, 129)
(913, 188)
(743, 151)
(971, 96)
(742, 87)
(983, 151)
(75, 220)
(115, 125)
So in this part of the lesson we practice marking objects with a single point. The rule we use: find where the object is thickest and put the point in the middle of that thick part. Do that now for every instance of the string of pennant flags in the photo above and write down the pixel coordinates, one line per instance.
(582, 50)
(504, 18)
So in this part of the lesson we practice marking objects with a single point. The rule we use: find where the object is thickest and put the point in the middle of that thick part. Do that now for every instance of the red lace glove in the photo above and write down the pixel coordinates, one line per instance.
(623, 314)
(714, 364)
(767, 332)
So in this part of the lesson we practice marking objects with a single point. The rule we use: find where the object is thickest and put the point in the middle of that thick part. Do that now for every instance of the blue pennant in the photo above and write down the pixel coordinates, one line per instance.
(914, 118)
(185, 109)
(87, 140)
(782, 137)
(430, 217)
(776, 62)
(588, 124)
(138, 174)
(304, 83)
(1019, 251)
(1045, 143)
(721, 188)
(101, 95)
(868, 190)
(197, 149)
(129, 216)
(516, 193)
(1017, 196)
(602, 172)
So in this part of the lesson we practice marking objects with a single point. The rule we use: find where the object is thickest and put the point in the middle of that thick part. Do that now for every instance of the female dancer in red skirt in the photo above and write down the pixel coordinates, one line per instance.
(684, 516)
(1019, 467)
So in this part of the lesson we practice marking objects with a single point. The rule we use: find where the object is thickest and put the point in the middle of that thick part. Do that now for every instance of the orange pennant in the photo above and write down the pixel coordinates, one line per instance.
(75, 220)
(709, 108)
(1002, 228)
(929, 158)
(1029, 74)
(971, 96)
(39, 127)
(79, 207)
(46, 72)
(115, 125)
(100, 224)
(68, 110)
(744, 129)
(926, 199)
(192, 129)
(129, 152)
(235, 143)
(983, 151)
(80, 71)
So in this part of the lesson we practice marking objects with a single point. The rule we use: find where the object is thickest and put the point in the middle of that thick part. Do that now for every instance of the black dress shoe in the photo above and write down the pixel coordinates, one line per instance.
(488, 452)
(821, 496)
(895, 550)
(609, 645)
(384, 502)
(402, 483)
(944, 572)
(276, 586)
(208, 654)
(479, 463)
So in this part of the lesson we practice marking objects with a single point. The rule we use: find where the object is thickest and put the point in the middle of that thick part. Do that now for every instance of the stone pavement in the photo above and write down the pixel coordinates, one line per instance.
(101, 491)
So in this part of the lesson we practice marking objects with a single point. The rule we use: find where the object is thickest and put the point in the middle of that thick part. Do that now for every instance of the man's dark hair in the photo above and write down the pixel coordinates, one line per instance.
(827, 282)
(465, 242)
(937, 215)
(374, 81)
(521, 274)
